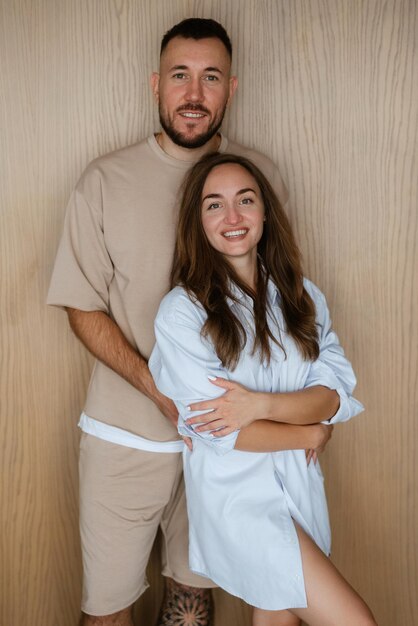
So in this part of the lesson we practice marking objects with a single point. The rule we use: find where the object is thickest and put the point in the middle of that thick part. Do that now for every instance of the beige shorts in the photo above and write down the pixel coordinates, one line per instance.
(125, 495)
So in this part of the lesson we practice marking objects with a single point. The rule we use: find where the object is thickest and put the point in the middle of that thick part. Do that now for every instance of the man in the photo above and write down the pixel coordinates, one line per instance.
(111, 271)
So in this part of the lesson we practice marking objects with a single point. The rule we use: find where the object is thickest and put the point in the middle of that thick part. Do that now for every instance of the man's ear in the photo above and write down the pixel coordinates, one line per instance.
(155, 86)
(233, 84)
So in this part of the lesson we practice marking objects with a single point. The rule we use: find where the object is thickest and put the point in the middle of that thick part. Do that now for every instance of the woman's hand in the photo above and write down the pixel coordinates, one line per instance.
(322, 434)
(237, 408)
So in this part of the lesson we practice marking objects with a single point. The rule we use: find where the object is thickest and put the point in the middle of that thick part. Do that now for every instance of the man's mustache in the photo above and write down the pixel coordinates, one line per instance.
(193, 107)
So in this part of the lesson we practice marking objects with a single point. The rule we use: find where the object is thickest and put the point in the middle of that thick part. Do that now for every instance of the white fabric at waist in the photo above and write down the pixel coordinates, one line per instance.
(124, 438)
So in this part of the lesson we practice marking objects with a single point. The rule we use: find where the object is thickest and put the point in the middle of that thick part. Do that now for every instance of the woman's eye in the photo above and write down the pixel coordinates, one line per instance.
(247, 201)
(214, 205)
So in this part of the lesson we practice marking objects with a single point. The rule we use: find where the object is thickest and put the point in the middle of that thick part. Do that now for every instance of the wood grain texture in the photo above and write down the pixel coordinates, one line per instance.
(329, 90)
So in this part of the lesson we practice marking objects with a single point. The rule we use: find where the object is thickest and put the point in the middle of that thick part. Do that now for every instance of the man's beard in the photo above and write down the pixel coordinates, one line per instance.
(199, 140)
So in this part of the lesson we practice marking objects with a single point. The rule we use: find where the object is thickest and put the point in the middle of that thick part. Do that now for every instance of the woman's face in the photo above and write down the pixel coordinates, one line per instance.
(232, 212)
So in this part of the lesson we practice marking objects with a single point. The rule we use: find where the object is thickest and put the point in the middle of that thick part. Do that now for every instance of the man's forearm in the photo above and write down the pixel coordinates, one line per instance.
(307, 406)
(104, 339)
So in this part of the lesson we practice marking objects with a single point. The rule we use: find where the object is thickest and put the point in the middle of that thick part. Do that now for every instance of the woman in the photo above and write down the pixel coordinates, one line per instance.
(241, 310)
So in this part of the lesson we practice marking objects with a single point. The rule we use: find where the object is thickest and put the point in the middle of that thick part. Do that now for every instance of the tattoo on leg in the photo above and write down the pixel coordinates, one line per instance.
(185, 606)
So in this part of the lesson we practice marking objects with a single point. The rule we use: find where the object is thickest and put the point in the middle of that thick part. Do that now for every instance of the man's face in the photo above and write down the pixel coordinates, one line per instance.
(193, 89)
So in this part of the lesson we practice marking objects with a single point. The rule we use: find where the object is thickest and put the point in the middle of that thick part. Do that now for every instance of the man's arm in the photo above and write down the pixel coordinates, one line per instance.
(104, 339)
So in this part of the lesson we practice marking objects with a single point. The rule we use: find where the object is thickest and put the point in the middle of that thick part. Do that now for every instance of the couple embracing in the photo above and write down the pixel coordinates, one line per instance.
(246, 366)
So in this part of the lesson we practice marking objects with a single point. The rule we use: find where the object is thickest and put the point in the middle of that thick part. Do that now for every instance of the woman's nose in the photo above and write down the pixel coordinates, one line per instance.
(233, 215)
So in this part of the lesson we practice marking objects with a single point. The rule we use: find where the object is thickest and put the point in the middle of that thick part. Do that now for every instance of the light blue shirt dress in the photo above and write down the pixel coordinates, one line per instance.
(241, 504)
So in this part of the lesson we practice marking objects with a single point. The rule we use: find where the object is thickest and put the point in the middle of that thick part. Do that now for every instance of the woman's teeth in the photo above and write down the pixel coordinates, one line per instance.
(235, 233)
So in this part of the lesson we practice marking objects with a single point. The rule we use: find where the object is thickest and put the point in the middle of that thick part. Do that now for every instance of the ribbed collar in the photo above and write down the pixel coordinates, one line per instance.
(177, 163)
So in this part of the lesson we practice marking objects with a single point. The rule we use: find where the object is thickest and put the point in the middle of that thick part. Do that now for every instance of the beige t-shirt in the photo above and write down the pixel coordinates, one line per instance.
(115, 256)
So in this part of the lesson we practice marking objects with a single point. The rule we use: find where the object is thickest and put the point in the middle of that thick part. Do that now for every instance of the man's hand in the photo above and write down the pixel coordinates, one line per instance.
(167, 407)
(323, 434)
(237, 408)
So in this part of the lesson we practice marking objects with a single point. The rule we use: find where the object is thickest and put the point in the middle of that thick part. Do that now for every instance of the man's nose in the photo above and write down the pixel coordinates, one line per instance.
(194, 91)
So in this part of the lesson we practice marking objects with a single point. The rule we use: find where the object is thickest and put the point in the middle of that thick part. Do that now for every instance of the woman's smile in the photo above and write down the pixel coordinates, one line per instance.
(233, 216)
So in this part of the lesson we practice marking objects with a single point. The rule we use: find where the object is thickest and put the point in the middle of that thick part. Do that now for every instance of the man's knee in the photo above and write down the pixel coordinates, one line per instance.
(120, 618)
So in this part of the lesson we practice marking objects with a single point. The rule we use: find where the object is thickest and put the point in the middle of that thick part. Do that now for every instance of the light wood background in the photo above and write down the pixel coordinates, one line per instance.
(328, 89)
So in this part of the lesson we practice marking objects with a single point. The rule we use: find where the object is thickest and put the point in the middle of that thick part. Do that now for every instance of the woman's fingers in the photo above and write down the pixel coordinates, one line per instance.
(227, 430)
(212, 425)
(238, 407)
(217, 427)
(206, 418)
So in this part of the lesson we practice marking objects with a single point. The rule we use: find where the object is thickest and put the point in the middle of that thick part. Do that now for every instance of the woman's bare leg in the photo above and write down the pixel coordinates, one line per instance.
(274, 618)
(331, 600)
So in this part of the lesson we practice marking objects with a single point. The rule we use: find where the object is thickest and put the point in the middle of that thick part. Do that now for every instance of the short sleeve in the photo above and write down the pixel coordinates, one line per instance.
(332, 369)
(279, 187)
(181, 362)
(83, 269)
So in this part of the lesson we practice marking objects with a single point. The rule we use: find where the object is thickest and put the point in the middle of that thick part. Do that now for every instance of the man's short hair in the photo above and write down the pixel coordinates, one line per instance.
(197, 28)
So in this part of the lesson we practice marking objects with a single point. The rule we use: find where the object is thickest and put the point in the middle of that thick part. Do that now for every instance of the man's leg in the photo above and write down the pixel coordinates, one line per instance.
(187, 599)
(123, 494)
(121, 618)
(185, 606)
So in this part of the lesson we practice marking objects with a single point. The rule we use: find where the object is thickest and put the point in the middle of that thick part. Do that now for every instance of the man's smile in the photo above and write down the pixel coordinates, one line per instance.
(193, 111)
(192, 115)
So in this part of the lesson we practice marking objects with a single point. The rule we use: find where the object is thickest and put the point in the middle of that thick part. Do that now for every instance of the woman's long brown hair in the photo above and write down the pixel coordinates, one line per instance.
(206, 275)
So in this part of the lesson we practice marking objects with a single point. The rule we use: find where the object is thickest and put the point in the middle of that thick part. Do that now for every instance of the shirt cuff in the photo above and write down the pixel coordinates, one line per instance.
(322, 374)
(221, 445)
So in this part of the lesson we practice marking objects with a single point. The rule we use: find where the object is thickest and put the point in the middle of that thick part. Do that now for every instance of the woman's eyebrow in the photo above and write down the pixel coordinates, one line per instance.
(245, 190)
(240, 192)
(212, 195)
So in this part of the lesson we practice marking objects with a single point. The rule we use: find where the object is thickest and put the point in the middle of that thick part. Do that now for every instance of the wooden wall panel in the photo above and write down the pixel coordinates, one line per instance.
(328, 89)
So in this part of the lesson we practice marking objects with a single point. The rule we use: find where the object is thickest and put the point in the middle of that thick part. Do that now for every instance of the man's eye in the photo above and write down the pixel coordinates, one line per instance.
(179, 75)
(211, 78)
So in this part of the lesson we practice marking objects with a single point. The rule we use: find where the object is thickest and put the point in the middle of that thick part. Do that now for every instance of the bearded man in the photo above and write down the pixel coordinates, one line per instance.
(111, 271)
